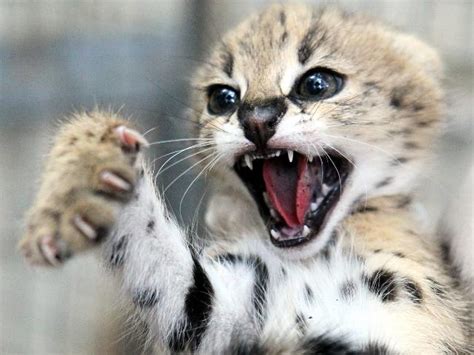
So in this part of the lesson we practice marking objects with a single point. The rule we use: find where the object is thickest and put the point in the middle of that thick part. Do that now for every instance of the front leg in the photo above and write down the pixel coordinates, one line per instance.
(95, 192)
(89, 175)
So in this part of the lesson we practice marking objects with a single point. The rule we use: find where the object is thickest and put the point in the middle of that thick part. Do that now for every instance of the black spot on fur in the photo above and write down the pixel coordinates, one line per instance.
(418, 107)
(424, 123)
(399, 254)
(282, 18)
(367, 209)
(383, 284)
(399, 161)
(228, 66)
(308, 292)
(384, 182)
(404, 202)
(198, 303)
(260, 288)
(229, 258)
(301, 323)
(437, 288)
(324, 345)
(145, 298)
(397, 97)
(414, 291)
(374, 349)
(242, 348)
(376, 251)
(150, 226)
(348, 290)
(309, 44)
(283, 38)
(448, 264)
(197, 307)
(117, 256)
(411, 145)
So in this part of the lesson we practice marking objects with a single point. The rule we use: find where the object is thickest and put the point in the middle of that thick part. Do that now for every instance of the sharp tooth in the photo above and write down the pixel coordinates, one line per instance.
(325, 189)
(310, 158)
(277, 153)
(248, 161)
(306, 231)
(274, 213)
(266, 199)
(319, 200)
(275, 234)
(314, 206)
(290, 155)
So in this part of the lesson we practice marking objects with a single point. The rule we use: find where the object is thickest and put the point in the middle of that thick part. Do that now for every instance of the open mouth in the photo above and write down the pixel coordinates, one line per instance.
(295, 194)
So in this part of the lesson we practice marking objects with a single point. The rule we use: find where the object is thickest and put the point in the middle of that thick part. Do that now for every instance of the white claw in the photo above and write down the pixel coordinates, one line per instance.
(130, 137)
(115, 181)
(248, 161)
(275, 234)
(290, 156)
(314, 206)
(306, 231)
(85, 227)
(49, 251)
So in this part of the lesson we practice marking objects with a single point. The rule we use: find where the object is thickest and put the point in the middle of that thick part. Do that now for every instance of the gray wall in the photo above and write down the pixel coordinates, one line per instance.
(60, 56)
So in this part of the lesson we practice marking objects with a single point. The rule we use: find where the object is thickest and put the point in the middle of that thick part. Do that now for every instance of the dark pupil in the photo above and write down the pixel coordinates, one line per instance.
(226, 98)
(316, 84)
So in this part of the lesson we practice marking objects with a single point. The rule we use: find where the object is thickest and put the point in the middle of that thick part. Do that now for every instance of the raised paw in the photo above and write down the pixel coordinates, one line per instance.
(90, 174)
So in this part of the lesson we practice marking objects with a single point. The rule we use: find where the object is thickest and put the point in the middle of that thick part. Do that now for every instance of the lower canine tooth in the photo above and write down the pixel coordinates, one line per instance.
(275, 234)
(306, 231)
(325, 189)
(266, 199)
(273, 213)
(290, 155)
(248, 161)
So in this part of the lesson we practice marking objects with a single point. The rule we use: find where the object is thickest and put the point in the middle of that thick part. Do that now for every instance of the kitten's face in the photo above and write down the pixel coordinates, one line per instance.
(315, 111)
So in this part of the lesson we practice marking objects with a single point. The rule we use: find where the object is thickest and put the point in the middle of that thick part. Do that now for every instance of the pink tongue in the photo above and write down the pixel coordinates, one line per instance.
(289, 188)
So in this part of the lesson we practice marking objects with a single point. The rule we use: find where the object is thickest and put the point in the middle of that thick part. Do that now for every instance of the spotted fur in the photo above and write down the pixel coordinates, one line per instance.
(369, 283)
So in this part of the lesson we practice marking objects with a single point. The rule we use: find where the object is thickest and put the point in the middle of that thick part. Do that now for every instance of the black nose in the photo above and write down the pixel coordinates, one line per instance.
(259, 121)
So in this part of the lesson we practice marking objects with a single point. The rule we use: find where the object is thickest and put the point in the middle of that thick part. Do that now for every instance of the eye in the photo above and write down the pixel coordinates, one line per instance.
(319, 84)
(222, 99)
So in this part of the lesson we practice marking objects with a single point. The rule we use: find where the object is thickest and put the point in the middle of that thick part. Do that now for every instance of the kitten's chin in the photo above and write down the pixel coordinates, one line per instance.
(299, 198)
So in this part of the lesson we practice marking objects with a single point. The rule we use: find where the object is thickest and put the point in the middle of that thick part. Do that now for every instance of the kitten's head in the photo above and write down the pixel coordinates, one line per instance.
(315, 111)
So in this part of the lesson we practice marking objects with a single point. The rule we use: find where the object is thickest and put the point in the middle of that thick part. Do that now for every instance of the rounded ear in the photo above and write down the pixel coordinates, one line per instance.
(424, 56)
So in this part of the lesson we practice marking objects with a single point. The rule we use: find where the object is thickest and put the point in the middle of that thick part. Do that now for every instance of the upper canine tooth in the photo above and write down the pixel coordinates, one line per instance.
(310, 158)
(248, 161)
(306, 230)
(290, 155)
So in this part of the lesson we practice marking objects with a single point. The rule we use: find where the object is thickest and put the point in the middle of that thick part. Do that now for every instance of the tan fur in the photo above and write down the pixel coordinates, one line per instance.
(392, 99)
(83, 148)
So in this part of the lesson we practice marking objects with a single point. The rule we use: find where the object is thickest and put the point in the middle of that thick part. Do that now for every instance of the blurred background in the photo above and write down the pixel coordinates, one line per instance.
(137, 56)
